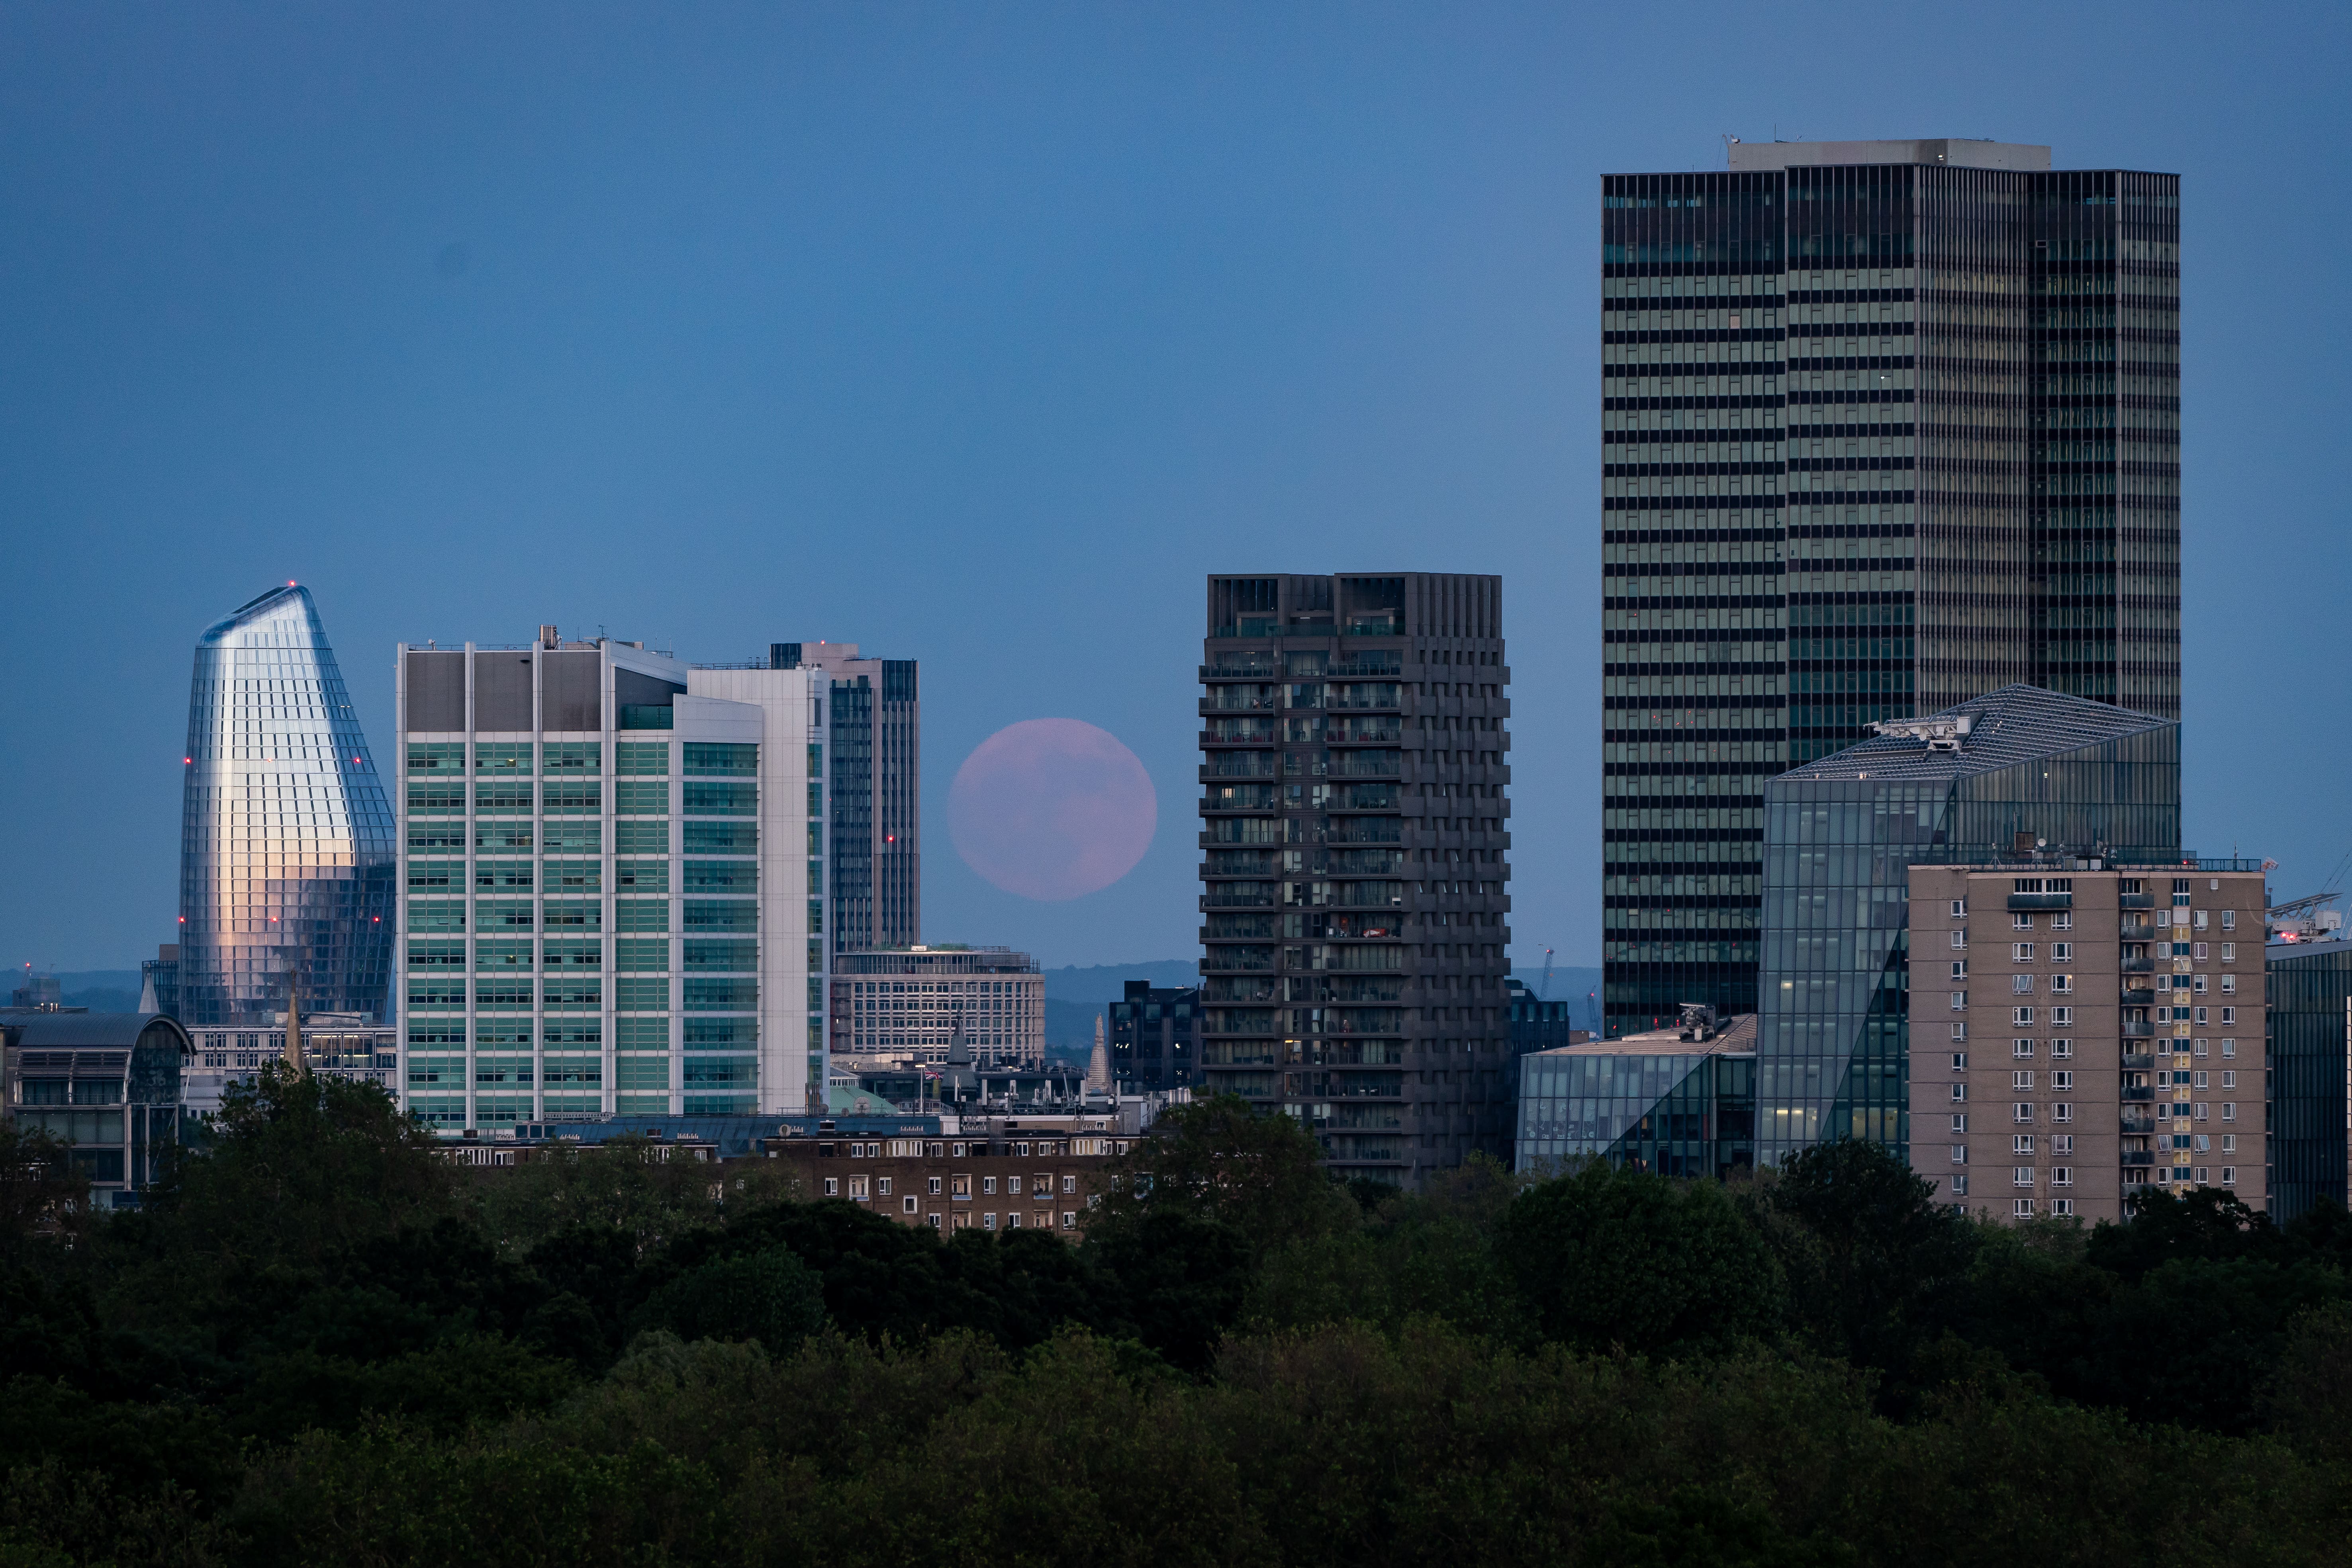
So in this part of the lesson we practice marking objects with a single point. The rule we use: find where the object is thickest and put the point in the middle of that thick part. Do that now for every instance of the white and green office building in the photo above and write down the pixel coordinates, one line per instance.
(612, 874)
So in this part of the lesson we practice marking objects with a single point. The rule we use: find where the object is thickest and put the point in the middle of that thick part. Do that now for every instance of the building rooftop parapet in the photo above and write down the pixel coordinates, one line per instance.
(1737, 1038)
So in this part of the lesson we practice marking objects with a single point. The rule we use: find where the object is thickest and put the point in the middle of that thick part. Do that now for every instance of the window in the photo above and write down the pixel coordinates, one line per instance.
(2061, 922)
(2228, 1081)
(1959, 1121)
(1960, 1092)
(2062, 982)
(2061, 1081)
(988, 1221)
(963, 1184)
(2180, 893)
(2022, 1144)
(2229, 919)
(1959, 1186)
(2023, 1110)
(2228, 953)
(2063, 1143)
(2023, 1079)
(987, 1187)
(1959, 908)
(935, 1186)
(832, 1187)
(2228, 984)
(1960, 1031)
(2061, 1050)
(1070, 1219)
(1069, 1183)
(2021, 922)
(2062, 1111)
(2022, 1050)
(2061, 1176)
(1012, 1187)
(2021, 1014)
(856, 1188)
(2228, 1110)
(2228, 1047)
(2228, 1142)
(1960, 1061)
(2061, 1017)
(2062, 953)
(1960, 938)
(934, 1221)
(2228, 1175)
(2021, 952)
(1959, 1152)
(909, 1203)
(1959, 1001)
(882, 1186)
(1960, 969)
(2021, 1176)
(2196, 1079)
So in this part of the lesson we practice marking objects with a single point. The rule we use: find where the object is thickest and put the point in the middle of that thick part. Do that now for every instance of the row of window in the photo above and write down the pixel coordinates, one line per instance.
(514, 757)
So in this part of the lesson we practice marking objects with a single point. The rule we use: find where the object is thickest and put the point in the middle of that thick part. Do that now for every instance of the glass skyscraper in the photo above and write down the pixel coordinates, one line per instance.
(287, 849)
(2032, 774)
(1886, 426)
(2310, 996)
(875, 788)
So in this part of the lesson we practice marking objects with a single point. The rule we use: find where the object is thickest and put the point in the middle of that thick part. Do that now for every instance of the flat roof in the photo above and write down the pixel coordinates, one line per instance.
(1737, 1034)
(1952, 151)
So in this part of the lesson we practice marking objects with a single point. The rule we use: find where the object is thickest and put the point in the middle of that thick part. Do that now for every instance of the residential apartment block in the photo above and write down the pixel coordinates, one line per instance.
(612, 872)
(2081, 1029)
(1356, 861)
(1154, 1039)
(1886, 426)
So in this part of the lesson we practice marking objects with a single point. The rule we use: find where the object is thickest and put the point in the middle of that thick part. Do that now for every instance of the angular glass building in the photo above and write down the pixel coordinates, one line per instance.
(1665, 1101)
(2018, 772)
(2310, 1017)
(1885, 424)
(287, 851)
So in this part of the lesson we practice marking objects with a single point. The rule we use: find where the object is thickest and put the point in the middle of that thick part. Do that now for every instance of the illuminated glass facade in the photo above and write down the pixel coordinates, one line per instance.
(2310, 993)
(1840, 838)
(1886, 426)
(286, 854)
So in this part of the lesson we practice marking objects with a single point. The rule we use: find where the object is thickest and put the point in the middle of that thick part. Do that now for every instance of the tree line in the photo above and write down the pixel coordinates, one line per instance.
(319, 1341)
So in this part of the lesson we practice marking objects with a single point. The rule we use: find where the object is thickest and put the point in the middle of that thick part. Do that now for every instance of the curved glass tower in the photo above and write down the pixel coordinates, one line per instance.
(287, 854)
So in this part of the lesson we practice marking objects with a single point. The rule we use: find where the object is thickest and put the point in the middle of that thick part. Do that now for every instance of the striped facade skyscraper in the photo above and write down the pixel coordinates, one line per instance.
(1886, 426)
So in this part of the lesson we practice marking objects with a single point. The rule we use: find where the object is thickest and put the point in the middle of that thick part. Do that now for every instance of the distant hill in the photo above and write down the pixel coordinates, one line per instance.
(100, 990)
(1107, 982)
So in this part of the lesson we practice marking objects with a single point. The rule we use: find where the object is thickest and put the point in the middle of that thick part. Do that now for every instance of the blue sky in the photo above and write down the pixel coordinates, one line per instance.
(978, 334)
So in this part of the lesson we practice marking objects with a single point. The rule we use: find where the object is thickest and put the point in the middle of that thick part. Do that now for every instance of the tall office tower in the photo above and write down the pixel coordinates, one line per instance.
(877, 714)
(1886, 426)
(1356, 862)
(614, 874)
(286, 841)
(2021, 777)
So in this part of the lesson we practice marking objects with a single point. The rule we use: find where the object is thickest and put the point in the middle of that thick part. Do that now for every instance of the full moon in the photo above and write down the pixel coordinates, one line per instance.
(1052, 809)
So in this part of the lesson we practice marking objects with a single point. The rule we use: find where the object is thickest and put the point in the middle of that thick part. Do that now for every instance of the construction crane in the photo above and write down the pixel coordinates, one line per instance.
(2309, 918)
(1544, 988)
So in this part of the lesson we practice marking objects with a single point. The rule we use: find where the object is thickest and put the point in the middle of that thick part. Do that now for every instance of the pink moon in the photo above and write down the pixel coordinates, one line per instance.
(1052, 809)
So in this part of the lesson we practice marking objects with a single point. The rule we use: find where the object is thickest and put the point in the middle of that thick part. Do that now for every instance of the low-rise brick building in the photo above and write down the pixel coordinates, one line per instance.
(1014, 1173)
